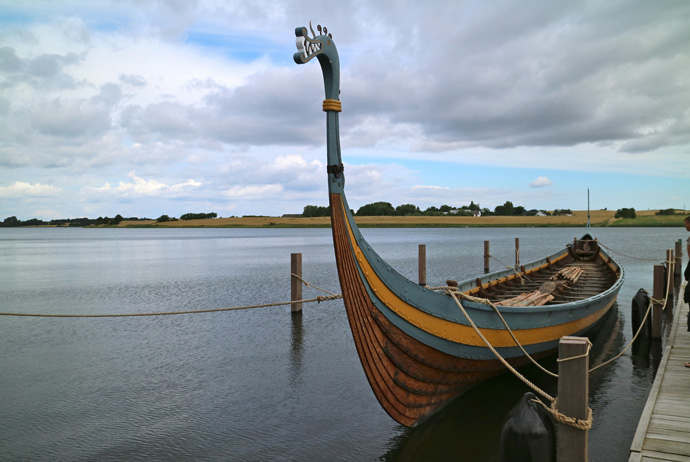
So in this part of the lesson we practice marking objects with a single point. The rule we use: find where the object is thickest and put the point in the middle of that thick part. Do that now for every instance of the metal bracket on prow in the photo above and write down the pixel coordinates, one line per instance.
(336, 169)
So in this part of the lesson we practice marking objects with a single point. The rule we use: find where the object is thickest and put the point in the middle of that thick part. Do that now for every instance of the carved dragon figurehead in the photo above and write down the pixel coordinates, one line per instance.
(323, 48)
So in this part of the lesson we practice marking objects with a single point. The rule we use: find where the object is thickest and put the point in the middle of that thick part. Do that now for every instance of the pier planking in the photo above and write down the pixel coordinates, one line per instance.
(663, 433)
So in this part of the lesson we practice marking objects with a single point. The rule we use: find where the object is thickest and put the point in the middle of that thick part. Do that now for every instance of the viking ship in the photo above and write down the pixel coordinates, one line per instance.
(417, 347)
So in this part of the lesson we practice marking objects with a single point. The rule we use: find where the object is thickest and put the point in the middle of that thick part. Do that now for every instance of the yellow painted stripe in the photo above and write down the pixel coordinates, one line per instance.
(460, 333)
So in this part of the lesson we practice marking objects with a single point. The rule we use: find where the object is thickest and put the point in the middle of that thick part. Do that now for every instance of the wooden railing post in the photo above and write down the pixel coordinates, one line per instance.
(486, 257)
(517, 252)
(657, 295)
(573, 397)
(295, 282)
(422, 264)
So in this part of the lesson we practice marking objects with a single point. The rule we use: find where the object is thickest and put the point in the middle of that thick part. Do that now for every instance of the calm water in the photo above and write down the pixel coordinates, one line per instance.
(258, 384)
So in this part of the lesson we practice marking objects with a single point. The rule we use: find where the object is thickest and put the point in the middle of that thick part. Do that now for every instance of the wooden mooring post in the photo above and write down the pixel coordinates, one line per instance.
(517, 252)
(657, 295)
(296, 282)
(573, 396)
(670, 260)
(487, 255)
(422, 264)
(679, 258)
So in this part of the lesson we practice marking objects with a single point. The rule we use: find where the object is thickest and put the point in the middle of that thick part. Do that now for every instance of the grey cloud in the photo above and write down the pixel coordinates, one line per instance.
(69, 119)
(132, 79)
(517, 75)
(9, 61)
(48, 66)
(108, 96)
(269, 110)
(169, 119)
(43, 71)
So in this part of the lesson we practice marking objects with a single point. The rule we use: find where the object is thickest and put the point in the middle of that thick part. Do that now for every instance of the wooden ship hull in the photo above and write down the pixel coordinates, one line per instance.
(416, 346)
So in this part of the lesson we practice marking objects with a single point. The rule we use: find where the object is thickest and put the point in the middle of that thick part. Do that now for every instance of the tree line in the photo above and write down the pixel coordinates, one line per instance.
(387, 209)
(11, 222)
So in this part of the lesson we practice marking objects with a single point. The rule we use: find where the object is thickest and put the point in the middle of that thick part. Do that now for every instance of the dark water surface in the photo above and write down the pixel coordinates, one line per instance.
(259, 384)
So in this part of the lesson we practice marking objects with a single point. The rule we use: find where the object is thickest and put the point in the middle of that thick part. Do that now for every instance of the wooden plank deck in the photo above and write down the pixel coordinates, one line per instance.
(664, 429)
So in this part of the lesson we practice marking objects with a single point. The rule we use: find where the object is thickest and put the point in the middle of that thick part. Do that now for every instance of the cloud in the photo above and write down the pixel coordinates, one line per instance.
(69, 119)
(90, 92)
(141, 187)
(541, 182)
(21, 189)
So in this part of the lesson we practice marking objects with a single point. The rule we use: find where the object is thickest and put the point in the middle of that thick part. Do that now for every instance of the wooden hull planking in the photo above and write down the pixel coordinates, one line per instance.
(410, 376)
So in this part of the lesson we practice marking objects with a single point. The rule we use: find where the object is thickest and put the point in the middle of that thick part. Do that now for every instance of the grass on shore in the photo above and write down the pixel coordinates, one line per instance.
(598, 218)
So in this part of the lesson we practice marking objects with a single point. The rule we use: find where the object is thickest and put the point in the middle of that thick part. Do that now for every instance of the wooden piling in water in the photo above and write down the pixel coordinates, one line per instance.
(573, 396)
(422, 264)
(678, 270)
(658, 296)
(486, 257)
(296, 282)
(517, 252)
(670, 260)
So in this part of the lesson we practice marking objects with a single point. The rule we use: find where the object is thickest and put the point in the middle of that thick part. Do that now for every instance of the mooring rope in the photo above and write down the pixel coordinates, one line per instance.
(580, 424)
(312, 285)
(624, 255)
(453, 293)
(318, 299)
(518, 273)
(639, 329)
(485, 301)
(652, 301)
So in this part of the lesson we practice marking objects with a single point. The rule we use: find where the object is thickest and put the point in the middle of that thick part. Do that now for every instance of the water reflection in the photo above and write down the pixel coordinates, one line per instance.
(296, 349)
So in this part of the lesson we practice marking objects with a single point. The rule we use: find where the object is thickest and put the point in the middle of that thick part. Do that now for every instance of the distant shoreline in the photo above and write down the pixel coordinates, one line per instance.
(599, 218)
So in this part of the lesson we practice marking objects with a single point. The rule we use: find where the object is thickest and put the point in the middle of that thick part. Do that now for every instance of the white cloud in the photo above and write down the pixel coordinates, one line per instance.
(541, 182)
(141, 187)
(254, 191)
(21, 189)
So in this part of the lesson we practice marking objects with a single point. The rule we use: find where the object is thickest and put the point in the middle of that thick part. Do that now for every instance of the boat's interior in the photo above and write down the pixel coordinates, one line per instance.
(580, 273)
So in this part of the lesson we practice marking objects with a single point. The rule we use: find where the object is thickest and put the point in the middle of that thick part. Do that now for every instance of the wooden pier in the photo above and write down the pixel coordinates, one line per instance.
(664, 429)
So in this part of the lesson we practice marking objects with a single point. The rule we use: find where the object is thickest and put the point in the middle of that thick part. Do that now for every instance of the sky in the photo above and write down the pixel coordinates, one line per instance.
(144, 108)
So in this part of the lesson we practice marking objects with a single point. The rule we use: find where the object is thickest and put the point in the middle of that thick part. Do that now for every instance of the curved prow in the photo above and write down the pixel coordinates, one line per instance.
(323, 48)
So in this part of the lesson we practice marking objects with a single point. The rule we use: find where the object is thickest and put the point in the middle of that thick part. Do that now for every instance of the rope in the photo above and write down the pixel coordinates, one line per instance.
(628, 256)
(553, 410)
(169, 313)
(583, 355)
(518, 273)
(485, 301)
(318, 299)
(639, 329)
(562, 418)
(312, 285)
(453, 293)
(652, 301)
(332, 105)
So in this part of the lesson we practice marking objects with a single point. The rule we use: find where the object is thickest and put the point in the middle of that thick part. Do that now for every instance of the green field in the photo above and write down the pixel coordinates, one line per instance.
(598, 218)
